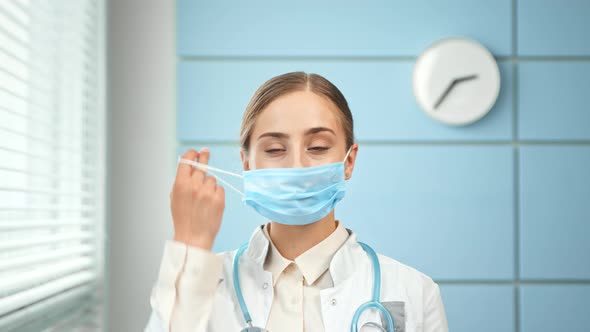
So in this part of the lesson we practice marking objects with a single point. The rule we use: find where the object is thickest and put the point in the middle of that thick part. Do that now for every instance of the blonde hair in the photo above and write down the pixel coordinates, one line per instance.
(292, 82)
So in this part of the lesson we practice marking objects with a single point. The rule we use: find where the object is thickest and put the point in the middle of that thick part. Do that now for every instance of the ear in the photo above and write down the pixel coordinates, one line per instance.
(350, 161)
(245, 160)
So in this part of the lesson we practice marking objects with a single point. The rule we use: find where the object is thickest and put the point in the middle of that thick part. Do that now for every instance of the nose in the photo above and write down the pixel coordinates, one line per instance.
(298, 159)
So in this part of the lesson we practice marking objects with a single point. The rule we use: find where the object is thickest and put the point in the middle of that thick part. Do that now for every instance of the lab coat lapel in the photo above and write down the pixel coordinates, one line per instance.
(352, 286)
(352, 273)
(253, 278)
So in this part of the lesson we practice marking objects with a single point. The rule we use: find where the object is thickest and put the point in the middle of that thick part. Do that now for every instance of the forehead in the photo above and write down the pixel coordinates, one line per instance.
(297, 111)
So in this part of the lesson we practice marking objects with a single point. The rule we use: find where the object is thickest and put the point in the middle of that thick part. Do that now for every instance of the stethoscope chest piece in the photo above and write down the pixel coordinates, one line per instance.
(254, 329)
(373, 327)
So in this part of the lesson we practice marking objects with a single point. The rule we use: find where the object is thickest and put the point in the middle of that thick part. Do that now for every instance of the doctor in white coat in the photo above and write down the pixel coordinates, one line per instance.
(303, 270)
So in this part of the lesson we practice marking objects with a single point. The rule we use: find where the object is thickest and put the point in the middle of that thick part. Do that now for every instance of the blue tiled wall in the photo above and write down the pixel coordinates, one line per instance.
(497, 212)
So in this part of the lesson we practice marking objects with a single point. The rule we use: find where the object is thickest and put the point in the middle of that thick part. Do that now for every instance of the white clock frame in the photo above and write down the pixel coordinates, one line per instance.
(466, 71)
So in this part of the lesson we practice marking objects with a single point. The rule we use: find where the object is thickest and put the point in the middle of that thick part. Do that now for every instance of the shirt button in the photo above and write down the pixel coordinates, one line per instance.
(265, 285)
(333, 302)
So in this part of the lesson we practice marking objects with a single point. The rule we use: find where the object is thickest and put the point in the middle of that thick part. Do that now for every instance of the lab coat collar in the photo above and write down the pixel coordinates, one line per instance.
(258, 246)
(342, 265)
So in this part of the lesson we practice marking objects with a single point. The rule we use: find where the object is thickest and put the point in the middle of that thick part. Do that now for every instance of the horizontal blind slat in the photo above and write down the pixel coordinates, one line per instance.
(46, 157)
(34, 241)
(21, 55)
(30, 259)
(13, 29)
(16, 13)
(83, 207)
(23, 4)
(22, 77)
(29, 116)
(47, 191)
(15, 49)
(57, 177)
(13, 67)
(21, 299)
(13, 282)
(44, 140)
(12, 225)
(40, 308)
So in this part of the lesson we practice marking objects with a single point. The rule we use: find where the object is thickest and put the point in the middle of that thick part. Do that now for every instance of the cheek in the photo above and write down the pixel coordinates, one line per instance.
(262, 162)
(259, 160)
(251, 161)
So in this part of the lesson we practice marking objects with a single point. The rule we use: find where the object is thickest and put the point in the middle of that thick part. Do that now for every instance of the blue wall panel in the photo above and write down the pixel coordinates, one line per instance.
(558, 307)
(553, 27)
(336, 28)
(436, 208)
(481, 308)
(555, 212)
(553, 101)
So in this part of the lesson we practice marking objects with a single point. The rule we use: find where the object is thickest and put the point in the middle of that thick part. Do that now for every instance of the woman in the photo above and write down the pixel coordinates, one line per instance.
(303, 270)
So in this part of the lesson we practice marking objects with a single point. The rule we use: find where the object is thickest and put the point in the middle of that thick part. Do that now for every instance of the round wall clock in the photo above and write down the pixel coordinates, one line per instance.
(456, 81)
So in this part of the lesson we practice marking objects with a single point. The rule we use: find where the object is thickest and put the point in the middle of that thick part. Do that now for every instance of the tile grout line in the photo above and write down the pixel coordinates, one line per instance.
(516, 281)
(511, 282)
(516, 165)
(514, 143)
(365, 58)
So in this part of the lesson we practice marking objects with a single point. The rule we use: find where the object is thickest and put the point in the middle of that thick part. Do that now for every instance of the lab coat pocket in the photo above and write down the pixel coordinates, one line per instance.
(397, 311)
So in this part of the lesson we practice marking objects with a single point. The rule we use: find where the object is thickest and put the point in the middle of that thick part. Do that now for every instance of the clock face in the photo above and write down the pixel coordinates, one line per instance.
(456, 81)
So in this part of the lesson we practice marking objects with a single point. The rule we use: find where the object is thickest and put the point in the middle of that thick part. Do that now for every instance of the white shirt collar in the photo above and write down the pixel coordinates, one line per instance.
(341, 266)
(313, 262)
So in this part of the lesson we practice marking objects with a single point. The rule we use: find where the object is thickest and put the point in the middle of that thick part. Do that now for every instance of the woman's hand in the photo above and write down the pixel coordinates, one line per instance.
(197, 203)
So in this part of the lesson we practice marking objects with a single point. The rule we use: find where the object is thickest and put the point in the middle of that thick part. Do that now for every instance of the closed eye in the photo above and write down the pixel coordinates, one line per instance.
(318, 148)
(274, 150)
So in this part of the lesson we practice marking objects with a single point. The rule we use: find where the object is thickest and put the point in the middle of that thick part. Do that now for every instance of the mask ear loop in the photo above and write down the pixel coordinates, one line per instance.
(347, 153)
(346, 157)
(207, 168)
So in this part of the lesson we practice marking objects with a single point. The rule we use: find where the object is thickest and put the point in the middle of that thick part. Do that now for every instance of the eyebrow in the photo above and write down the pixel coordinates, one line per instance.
(316, 130)
(310, 131)
(273, 134)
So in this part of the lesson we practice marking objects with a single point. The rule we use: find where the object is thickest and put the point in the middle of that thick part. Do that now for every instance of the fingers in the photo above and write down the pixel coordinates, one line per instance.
(199, 174)
(204, 156)
(206, 190)
(220, 195)
(185, 170)
(210, 183)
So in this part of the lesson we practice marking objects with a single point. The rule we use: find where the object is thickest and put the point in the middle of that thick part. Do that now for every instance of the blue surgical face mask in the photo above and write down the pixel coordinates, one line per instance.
(290, 196)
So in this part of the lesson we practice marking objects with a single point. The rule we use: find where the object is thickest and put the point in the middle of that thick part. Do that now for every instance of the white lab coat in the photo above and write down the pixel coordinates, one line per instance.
(352, 273)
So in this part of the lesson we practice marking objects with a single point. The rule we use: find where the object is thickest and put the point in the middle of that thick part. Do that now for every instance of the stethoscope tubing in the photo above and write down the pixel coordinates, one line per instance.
(374, 303)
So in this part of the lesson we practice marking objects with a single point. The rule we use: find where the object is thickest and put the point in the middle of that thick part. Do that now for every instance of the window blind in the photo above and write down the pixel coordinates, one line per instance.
(51, 158)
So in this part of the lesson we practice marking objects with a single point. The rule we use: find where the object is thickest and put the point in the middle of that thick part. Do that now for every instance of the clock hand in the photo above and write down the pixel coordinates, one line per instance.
(444, 95)
(466, 78)
(451, 86)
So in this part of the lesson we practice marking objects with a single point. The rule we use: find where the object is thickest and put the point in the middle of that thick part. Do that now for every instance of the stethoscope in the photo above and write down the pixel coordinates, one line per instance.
(373, 303)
